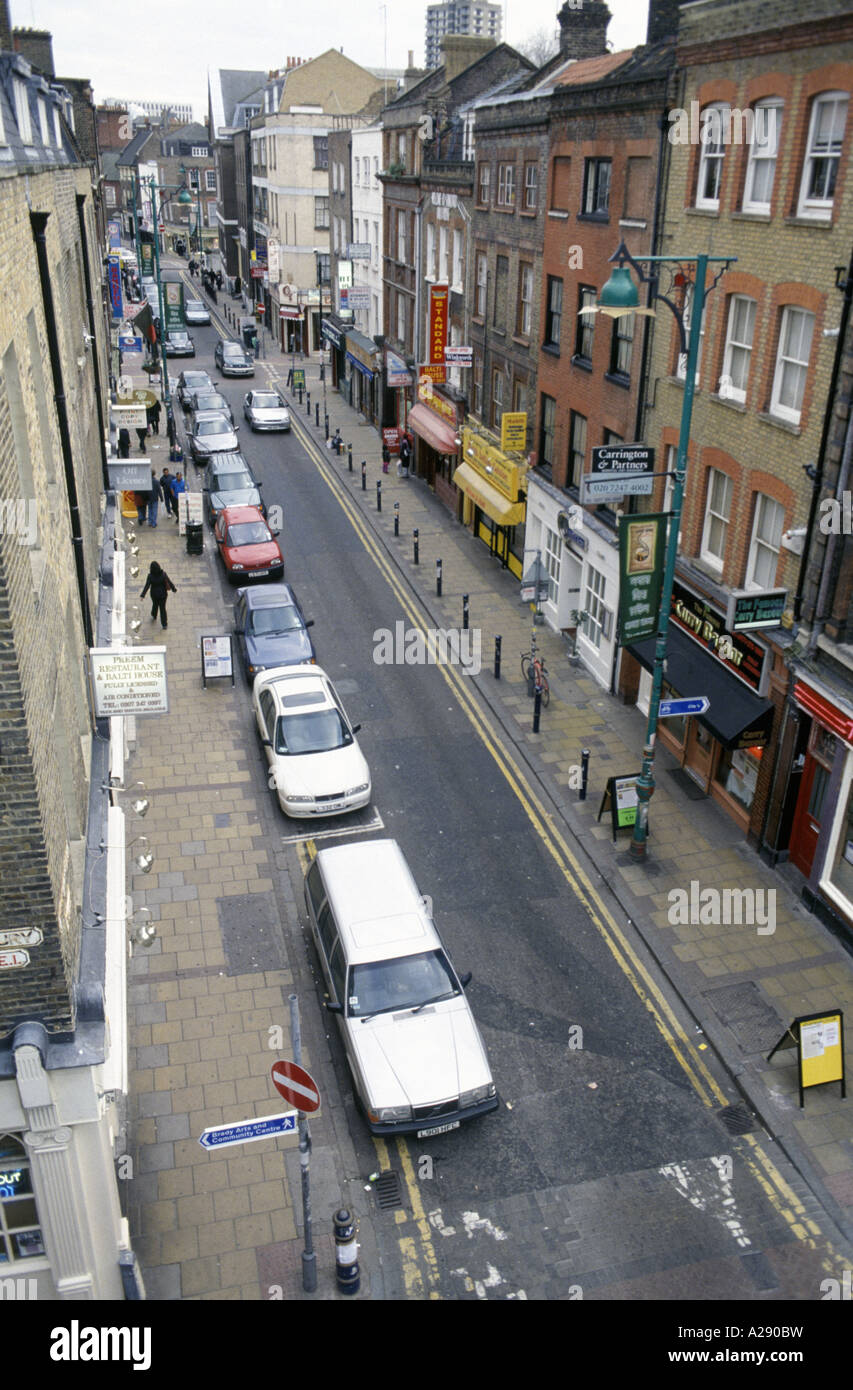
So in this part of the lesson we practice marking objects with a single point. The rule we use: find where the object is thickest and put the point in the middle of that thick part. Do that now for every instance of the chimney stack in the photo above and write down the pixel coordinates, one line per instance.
(663, 20)
(5, 28)
(583, 29)
(36, 45)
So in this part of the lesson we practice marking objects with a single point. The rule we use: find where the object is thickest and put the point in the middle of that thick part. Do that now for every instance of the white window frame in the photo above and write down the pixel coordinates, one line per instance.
(481, 291)
(401, 318)
(821, 208)
(458, 259)
(442, 252)
(597, 622)
(430, 251)
(506, 185)
(497, 393)
(777, 407)
(767, 526)
(525, 298)
(713, 148)
(763, 152)
(531, 184)
(718, 508)
(738, 349)
(22, 110)
(552, 549)
(210, 180)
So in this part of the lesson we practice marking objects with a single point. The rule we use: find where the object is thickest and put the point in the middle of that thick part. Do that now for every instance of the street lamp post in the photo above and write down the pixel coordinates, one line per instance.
(319, 255)
(618, 298)
(183, 197)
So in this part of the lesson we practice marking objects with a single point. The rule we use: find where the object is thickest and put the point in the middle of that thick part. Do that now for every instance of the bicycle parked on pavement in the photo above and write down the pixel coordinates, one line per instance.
(533, 665)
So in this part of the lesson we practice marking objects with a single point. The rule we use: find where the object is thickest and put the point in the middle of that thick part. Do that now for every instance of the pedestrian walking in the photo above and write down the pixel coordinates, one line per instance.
(153, 414)
(171, 428)
(386, 458)
(155, 497)
(219, 279)
(178, 486)
(405, 456)
(142, 435)
(160, 584)
(124, 443)
(166, 481)
(141, 499)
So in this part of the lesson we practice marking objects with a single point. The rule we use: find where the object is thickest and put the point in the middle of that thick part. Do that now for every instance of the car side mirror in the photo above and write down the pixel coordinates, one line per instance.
(355, 728)
(465, 979)
(236, 427)
(332, 1007)
(310, 622)
(267, 743)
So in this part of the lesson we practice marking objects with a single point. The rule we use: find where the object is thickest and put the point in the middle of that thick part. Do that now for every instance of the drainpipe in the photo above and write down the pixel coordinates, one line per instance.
(827, 579)
(38, 221)
(847, 286)
(90, 313)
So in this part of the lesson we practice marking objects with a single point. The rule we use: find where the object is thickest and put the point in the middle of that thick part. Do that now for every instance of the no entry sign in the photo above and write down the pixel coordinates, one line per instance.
(296, 1086)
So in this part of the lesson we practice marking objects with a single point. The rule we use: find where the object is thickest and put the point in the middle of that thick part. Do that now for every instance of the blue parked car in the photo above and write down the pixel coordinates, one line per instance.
(271, 629)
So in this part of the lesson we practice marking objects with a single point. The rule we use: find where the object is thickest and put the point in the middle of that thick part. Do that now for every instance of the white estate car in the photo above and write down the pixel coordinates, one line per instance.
(316, 765)
(417, 1059)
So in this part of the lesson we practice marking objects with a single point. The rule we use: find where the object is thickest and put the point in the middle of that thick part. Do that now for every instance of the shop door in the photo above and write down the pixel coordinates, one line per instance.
(699, 753)
(807, 817)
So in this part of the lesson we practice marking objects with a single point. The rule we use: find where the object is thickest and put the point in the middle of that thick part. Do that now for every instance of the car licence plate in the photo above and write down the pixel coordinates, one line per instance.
(260, 571)
(437, 1129)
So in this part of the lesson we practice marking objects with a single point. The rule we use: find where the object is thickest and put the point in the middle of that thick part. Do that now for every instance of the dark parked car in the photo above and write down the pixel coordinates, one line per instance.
(210, 400)
(232, 358)
(190, 382)
(271, 629)
(211, 433)
(178, 344)
(229, 482)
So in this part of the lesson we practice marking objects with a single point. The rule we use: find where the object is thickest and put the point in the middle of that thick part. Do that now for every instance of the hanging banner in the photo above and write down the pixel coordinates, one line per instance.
(439, 304)
(642, 541)
(146, 251)
(114, 279)
(173, 305)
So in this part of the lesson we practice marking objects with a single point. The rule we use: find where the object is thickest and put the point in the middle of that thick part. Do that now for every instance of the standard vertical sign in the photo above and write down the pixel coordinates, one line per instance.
(439, 303)
(642, 542)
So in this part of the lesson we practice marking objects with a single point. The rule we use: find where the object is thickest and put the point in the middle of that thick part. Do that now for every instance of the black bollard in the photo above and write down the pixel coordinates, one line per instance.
(396, 518)
(363, 475)
(584, 773)
(379, 494)
(317, 417)
(308, 404)
(497, 658)
(347, 1274)
(415, 539)
(349, 456)
(326, 417)
(438, 579)
(464, 612)
(300, 395)
(537, 708)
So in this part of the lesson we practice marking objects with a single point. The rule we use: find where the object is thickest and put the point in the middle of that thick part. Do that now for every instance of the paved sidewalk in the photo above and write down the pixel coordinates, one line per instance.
(742, 988)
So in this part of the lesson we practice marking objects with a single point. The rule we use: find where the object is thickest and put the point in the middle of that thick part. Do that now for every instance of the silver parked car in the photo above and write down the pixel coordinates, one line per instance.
(265, 410)
(195, 311)
(417, 1059)
(211, 432)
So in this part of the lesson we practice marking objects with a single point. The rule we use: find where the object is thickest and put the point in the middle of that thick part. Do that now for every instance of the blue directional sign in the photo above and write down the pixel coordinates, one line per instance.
(244, 1131)
(695, 704)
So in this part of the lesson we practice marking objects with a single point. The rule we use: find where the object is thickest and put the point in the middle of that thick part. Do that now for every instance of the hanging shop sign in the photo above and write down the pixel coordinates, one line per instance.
(114, 233)
(358, 298)
(173, 305)
(513, 431)
(755, 610)
(146, 249)
(128, 680)
(439, 304)
(459, 356)
(359, 250)
(114, 280)
(396, 371)
(502, 472)
(642, 541)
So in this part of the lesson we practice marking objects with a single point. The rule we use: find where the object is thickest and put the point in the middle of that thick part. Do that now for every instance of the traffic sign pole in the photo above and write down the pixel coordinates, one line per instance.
(309, 1259)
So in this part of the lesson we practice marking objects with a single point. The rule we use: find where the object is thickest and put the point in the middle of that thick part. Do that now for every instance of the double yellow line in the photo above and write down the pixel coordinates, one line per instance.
(765, 1172)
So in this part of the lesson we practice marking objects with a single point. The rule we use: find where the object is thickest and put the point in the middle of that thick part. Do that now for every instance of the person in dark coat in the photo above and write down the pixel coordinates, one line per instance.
(154, 417)
(219, 279)
(142, 435)
(159, 583)
(124, 443)
(405, 455)
(166, 481)
(178, 486)
(171, 428)
(155, 497)
(142, 499)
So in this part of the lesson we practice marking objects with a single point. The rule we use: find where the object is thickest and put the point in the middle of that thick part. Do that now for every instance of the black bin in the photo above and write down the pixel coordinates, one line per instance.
(195, 538)
(249, 330)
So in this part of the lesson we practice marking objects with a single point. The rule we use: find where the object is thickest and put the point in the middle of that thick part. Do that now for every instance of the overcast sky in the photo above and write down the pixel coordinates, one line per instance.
(160, 50)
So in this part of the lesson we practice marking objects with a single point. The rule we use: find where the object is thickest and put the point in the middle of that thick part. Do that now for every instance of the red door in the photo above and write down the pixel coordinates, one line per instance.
(807, 816)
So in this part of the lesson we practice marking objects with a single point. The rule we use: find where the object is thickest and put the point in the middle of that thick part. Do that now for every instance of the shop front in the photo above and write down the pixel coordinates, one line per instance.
(334, 330)
(821, 842)
(434, 423)
(364, 366)
(494, 485)
(722, 750)
(397, 392)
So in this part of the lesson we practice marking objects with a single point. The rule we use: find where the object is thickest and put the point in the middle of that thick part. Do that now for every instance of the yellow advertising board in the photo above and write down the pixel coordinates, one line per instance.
(819, 1040)
(502, 472)
(514, 431)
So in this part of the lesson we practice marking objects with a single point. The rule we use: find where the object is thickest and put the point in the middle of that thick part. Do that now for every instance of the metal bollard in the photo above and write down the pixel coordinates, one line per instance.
(363, 475)
(349, 456)
(379, 494)
(438, 579)
(537, 708)
(415, 539)
(317, 417)
(584, 773)
(347, 1272)
(326, 422)
(464, 612)
(300, 395)
(396, 518)
(497, 658)
(308, 404)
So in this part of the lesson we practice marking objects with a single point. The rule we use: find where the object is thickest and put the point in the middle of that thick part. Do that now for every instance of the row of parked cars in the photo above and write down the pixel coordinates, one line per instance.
(415, 1053)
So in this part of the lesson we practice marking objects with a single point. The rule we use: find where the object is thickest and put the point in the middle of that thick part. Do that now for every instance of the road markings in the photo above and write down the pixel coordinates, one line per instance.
(649, 993)
(377, 823)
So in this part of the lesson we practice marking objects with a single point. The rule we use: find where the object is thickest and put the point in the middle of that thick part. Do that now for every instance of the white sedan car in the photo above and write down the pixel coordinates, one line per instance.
(265, 410)
(195, 311)
(316, 766)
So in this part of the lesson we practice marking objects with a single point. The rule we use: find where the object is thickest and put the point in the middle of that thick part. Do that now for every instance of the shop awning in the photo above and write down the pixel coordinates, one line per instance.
(737, 717)
(362, 352)
(437, 434)
(487, 497)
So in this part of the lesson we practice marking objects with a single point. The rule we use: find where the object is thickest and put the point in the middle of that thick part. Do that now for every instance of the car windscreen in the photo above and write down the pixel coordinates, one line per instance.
(232, 350)
(312, 731)
(232, 482)
(248, 533)
(193, 381)
(211, 402)
(214, 427)
(193, 304)
(380, 986)
(179, 338)
(282, 618)
(267, 402)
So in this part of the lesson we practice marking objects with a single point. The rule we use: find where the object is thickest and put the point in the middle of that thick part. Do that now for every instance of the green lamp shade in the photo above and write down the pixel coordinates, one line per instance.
(185, 197)
(620, 292)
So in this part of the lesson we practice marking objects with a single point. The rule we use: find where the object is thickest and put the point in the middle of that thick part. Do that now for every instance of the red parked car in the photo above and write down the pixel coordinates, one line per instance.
(247, 545)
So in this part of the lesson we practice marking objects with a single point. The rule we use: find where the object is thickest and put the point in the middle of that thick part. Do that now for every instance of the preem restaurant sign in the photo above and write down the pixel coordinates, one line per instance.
(129, 680)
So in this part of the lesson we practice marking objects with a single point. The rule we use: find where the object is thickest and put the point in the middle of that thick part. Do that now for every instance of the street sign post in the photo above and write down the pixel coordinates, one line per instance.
(244, 1131)
(677, 709)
